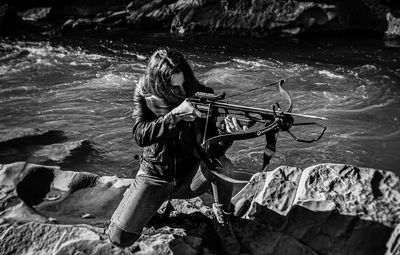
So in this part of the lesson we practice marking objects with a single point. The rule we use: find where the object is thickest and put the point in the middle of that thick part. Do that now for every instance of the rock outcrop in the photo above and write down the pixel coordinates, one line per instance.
(324, 209)
(42, 146)
(331, 208)
(242, 17)
(393, 29)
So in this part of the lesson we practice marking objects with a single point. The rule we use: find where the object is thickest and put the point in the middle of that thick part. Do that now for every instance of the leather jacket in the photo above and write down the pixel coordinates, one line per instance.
(168, 147)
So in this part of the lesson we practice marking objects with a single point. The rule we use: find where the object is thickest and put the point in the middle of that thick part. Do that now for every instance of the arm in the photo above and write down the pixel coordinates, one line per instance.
(147, 128)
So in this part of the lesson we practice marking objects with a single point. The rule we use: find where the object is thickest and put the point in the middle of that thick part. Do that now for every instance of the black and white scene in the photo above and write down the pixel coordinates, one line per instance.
(200, 127)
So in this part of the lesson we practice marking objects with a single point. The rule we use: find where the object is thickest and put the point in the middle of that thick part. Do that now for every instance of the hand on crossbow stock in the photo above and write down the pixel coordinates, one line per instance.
(186, 112)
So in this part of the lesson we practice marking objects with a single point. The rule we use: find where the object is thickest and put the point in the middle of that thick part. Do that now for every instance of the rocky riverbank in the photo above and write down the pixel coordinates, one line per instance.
(323, 209)
(182, 17)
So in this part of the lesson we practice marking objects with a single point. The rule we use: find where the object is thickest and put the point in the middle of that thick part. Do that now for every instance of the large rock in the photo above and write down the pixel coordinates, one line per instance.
(393, 29)
(49, 196)
(37, 238)
(249, 18)
(325, 209)
(332, 208)
(42, 146)
(262, 18)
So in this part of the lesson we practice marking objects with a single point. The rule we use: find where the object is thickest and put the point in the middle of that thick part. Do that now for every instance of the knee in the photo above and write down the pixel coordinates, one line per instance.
(120, 237)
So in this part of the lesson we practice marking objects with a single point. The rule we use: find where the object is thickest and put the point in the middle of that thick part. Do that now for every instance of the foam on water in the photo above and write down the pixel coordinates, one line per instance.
(87, 92)
(331, 75)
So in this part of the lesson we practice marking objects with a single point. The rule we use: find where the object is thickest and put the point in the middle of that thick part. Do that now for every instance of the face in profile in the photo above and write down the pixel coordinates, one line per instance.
(169, 76)
(177, 81)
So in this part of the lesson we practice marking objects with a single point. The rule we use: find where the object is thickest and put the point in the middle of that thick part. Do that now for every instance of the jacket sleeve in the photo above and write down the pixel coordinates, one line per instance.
(147, 128)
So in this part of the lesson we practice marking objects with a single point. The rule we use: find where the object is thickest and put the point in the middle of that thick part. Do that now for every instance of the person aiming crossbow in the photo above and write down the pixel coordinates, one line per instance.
(184, 148)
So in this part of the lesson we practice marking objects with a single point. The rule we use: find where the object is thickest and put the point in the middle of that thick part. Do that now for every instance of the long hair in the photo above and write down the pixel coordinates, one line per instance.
(160, 68)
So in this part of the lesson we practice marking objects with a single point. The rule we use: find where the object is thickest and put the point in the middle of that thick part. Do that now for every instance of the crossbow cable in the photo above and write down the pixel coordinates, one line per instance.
(269, 131)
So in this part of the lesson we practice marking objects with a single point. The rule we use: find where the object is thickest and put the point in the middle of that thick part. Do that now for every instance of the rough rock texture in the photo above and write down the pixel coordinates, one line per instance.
(41, 194)
(262, 190)
(37, 238)
(393, 29)
(370, 194)
(253, 18)
(238, 17)
(324, 209)
(337, 209)
(47, 196)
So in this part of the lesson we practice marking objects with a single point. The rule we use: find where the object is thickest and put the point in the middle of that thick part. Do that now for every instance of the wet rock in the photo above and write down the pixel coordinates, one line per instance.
(67, 25)
(35, 14)
(393, 29)
(42, 146)
(85, 9)
(255, 19)
(19, 136)
(12, 24)
(83, 24)
(242, 17)
(61, 152)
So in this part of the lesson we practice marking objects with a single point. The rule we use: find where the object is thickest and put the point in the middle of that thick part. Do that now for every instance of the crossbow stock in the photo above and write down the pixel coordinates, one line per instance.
(273, 121)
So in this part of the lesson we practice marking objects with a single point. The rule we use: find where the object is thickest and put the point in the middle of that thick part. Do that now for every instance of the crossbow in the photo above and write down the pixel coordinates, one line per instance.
(272, 120)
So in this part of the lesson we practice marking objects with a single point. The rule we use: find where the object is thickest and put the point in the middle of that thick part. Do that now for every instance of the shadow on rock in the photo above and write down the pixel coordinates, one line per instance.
(330, 208)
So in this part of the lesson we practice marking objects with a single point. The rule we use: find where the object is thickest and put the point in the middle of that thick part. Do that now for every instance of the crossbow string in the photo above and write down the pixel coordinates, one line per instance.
(274, 120)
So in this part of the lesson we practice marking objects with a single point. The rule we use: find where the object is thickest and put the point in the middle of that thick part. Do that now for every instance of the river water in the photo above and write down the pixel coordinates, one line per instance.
(83, 85)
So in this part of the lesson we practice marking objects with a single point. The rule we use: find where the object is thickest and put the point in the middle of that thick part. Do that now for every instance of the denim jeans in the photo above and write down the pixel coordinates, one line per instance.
(147, 193)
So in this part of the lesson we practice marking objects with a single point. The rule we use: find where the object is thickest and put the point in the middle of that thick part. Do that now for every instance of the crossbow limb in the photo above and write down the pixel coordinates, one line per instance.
(274, 120)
